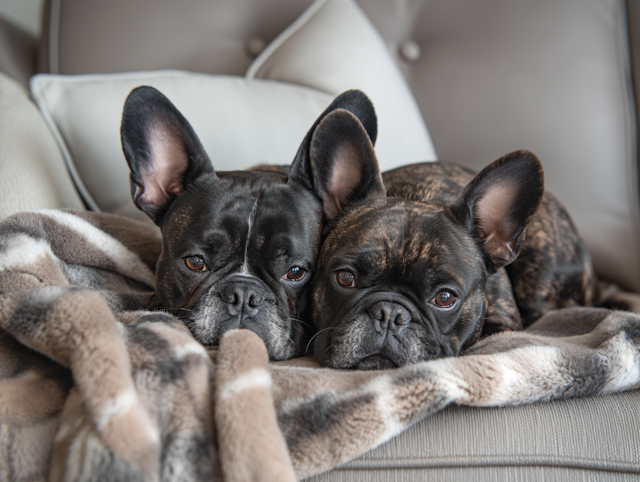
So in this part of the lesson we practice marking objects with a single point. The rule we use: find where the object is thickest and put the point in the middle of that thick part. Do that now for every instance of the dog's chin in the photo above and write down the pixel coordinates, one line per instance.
(379, 361)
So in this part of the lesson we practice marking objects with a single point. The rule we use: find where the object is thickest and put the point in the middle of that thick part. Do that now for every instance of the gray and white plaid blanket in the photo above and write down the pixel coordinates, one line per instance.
(92, 387)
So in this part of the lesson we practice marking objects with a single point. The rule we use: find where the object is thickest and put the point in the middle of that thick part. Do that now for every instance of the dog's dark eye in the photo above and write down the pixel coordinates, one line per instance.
(296, 273)
(196, 263)
(346, 279)
(444, 299)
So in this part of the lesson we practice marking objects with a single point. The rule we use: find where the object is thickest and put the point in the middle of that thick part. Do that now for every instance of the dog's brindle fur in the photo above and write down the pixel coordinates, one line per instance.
(238, 248)
(553, 269)
(391, 264)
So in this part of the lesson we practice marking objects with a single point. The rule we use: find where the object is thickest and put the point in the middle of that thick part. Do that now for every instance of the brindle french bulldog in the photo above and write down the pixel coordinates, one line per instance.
(413, 265)
(238, 248)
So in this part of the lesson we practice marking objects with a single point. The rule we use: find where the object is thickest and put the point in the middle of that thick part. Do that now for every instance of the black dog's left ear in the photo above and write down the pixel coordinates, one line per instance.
(498, 204)
(163, 151)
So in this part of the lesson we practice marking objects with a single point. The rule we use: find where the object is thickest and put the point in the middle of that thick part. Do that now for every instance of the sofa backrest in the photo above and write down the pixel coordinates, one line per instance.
(489, 77)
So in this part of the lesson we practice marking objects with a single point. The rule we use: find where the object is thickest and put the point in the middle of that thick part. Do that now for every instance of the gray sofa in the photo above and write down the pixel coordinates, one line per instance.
(459, 80)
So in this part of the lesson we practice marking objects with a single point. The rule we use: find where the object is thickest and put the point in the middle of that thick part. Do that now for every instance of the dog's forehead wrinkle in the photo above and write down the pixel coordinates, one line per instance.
(240, 198)
(408, 234)
(180, 219)
(278, 236)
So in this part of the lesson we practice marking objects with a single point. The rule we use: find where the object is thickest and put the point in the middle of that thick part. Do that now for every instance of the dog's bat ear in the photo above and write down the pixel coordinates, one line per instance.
(498, 204)
(336, 159)
(343, 163)
(163, 151)
(353, 101)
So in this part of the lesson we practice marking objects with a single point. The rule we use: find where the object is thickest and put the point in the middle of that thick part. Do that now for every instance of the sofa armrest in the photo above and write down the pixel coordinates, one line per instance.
(32, 172)
(17, 52)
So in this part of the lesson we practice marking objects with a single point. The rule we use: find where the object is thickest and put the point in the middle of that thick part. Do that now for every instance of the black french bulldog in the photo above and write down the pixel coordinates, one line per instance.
(413, 265)
(238, 248)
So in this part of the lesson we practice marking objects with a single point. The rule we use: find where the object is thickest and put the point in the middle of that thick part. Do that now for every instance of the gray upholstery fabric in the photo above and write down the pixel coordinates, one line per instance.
(581, 439)
(120, 36)
(458, 474)
(633, 27)
(17, 52)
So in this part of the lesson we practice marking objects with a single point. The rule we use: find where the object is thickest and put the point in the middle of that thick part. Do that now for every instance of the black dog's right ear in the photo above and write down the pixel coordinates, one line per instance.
(336, 159)
(162, 150)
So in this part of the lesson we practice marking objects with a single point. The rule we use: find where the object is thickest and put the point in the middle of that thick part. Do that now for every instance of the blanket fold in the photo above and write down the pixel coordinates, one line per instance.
(93, 387)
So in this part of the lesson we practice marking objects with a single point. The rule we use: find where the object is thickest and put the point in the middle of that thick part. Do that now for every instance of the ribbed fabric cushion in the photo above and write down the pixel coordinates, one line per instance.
(32, 172)
(580, 439)
(476, 474)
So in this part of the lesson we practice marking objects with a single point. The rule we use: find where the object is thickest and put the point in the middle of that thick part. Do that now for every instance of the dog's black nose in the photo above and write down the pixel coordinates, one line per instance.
(388, 315)
(242, 298)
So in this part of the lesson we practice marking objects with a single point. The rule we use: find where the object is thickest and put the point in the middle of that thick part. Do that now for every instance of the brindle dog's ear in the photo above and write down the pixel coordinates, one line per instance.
(343, 163)
(163, 152)
(498, 204)
(336, 159)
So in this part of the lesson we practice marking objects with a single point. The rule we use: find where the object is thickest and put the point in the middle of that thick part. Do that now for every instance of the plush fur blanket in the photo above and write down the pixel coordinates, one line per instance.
(91, 388)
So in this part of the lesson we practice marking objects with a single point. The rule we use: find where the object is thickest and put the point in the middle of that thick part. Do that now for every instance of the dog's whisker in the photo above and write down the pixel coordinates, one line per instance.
(176, 309)
(306, 352)
(325, 351)
(179, 313)
(300, 321)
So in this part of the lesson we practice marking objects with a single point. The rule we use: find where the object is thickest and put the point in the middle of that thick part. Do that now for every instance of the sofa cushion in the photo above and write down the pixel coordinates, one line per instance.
(333, 47)
(32, 172)
(591, 438)
(240, 122)
(214, 37)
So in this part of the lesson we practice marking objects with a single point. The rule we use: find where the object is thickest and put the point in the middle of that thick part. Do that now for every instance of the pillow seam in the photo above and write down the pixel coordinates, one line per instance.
(284, 36)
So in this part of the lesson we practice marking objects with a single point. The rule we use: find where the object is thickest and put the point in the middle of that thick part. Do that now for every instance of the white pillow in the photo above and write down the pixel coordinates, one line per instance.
(240, 122)
(334, 47)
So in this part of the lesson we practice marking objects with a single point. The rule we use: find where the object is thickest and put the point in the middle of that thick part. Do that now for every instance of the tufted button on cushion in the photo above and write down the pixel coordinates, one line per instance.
(255, 45)
(410, 50)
